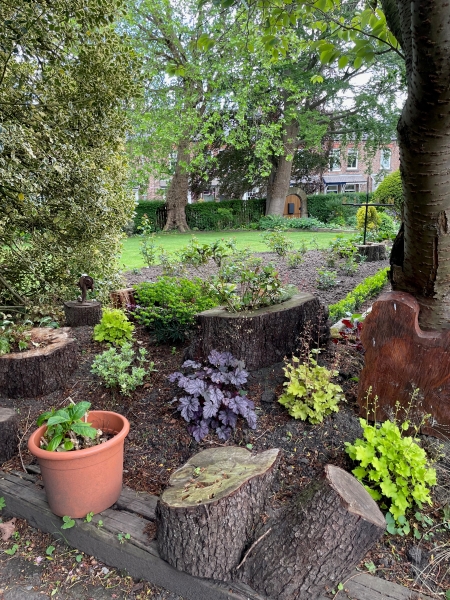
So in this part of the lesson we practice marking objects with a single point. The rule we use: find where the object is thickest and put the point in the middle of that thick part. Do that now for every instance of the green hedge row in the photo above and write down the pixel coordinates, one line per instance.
(331, 207)
(371, 286)
(206, 216)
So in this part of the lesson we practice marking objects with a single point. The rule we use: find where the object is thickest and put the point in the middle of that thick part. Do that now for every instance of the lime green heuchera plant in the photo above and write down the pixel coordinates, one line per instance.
(66, 429)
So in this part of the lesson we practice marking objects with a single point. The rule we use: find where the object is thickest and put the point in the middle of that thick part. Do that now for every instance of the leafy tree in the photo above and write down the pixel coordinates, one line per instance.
(65, 76)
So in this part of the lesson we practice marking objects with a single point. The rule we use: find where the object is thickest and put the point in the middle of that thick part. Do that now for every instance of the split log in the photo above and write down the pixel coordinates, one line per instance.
(41, 370)
(122, 298)
(316, 541)
(9, 424)
(372, 252)
(400, 358)
(82, 313)
(262, 337)
(207, 515)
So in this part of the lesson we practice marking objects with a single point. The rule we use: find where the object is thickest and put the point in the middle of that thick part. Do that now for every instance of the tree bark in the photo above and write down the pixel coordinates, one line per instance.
(280, 181)
(82, 313)
(424, 140)
(122, 298)
(9, 426)
(316, 541)
(372, 252)
(209, 511)
(177, 193)
(262, 337)
(42, 370)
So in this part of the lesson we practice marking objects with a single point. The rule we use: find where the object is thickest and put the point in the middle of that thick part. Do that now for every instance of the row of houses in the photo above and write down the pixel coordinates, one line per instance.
(350, 169)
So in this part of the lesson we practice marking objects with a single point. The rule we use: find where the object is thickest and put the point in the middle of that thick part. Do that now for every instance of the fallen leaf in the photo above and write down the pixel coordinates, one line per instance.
(7, 529)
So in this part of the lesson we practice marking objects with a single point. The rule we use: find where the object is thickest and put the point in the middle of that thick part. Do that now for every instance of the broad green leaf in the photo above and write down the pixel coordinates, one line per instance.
(54, 443)
(84, 429)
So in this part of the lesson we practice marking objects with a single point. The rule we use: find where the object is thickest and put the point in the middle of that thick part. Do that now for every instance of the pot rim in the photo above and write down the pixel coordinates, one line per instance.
(33, 441)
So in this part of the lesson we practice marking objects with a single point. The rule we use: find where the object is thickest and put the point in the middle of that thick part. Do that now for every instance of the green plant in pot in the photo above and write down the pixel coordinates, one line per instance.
(80, 453)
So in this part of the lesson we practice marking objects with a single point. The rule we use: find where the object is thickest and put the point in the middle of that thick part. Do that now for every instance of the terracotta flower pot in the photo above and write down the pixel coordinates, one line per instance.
(82, 481)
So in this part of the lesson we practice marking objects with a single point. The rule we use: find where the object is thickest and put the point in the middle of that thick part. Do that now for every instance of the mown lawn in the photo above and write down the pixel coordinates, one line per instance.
(173, 242)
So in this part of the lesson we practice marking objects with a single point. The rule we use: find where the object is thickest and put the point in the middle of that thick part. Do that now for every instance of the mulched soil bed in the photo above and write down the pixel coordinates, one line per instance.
(159, 442)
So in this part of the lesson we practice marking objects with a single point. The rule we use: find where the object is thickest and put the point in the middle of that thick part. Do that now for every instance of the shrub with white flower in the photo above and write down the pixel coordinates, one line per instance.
(213, 400)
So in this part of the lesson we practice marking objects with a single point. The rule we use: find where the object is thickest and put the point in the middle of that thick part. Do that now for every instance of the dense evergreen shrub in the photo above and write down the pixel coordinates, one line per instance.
(152, 210)
(331, 207)
(390, 191)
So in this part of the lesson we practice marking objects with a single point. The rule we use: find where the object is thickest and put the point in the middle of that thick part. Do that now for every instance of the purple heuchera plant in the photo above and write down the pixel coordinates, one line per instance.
(212, 399)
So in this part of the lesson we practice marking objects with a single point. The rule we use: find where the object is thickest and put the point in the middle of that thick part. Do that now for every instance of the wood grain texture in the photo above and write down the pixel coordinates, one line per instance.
(9, 426)
(400, 357)
(79, 314)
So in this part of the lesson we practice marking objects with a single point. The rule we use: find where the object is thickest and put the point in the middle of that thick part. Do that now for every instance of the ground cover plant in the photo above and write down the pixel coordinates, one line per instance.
(114, 327)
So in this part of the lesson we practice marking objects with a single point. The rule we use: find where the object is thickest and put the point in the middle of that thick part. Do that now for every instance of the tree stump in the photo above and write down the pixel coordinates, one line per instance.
(82, 313)
(41, 370)
(9, 424)
(399, 358)
(372, 252)
(316, 541)
(122, 298)
(262, 337)
(213, 503)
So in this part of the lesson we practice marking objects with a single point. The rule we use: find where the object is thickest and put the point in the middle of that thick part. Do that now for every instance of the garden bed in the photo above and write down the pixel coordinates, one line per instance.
(159, 441)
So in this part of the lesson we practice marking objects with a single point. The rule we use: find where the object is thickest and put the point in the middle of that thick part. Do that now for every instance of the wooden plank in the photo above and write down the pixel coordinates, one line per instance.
(362, 586)
(140, 503)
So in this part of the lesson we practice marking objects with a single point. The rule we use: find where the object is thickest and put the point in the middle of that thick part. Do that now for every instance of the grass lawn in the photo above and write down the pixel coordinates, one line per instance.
(172, 242)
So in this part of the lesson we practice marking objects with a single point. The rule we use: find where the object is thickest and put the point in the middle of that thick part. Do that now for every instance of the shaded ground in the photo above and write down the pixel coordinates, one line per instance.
(158, 443)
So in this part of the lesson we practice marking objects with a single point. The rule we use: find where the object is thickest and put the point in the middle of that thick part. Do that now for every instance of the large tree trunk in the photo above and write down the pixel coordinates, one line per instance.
(177, 193)
(423, 268)
(280, 180)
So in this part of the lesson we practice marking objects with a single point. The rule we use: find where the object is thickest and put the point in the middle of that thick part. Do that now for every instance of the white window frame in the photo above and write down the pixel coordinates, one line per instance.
(335, 159)
(352, 155)
(333, 188)
(351, 188)
(385, 159)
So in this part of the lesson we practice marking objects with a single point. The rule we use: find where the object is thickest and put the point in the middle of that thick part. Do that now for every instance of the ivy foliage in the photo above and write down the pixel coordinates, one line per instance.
(393, 468)
(310, 394)
(65, 78)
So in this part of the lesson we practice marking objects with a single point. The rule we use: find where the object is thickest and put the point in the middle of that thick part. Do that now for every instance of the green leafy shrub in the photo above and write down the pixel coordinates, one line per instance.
(309, 393)
(306, 223)
(329, 207)
(373, 218)
(271, 222)
(114, 327)
(197, 254)
(326, 279)
(66, 430)
(13, 335)
(393, 468)
(277, 242)
(371, 286)
(154, 211)
(122, 369)
(211, 216)
(388, 228)
(169, 305)
(148, 247)
(390, 191)
(294, 259)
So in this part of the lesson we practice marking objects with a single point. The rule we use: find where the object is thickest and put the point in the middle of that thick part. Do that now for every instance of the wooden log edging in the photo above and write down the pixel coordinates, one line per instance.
(27, 501)
(9, 427)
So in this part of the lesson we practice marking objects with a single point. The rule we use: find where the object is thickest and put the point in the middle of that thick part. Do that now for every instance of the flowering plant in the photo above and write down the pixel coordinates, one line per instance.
(212, 399)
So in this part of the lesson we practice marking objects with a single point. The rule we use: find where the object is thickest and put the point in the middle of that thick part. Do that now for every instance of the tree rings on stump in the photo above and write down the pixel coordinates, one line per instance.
(262, 337)
(8, 433)
(316, 541)
(372, 252)
(208, 513)
(82, 313)
(41, 370)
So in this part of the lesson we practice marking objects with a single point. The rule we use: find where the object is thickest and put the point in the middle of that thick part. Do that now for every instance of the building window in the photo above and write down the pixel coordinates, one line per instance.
(385, 162)
(331, 189)
(351, 187)
(335, 160)
(352, 159)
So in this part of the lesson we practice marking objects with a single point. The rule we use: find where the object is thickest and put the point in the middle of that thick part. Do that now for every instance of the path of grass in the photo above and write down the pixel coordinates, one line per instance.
(131, 257)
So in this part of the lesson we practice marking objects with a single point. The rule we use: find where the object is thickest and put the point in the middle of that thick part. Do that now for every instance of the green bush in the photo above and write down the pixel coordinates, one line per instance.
(114, 327)
(117, 368)
(390, 191)
(169, 305)
(271, 222)
(306, 223)
(388, 228)
(277, 242)
(371, 286)
(329, 207)
(373, 218)
(309, 394)
(393, 468)
(153, 210)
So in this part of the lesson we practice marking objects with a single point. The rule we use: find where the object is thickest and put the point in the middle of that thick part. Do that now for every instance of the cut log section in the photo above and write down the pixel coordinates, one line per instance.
(122, 298)
(82, 313)
(41, 370)
(8, 433)
(262, 337)
(372, 252)
(209, 511)
(316, 541)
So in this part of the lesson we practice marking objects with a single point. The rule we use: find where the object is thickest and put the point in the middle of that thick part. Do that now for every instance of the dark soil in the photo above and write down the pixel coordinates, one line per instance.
(159, 442)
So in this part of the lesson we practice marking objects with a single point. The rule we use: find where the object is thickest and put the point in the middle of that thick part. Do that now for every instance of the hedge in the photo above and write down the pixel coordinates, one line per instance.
(370, 287)
(206, 216)
(331, 207)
